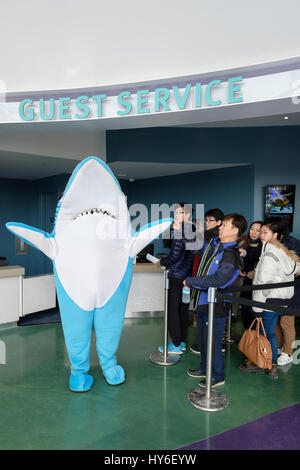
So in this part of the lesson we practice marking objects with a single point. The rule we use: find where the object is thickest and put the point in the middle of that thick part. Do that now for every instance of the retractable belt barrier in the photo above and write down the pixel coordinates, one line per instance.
(261, 286)
(280, 308)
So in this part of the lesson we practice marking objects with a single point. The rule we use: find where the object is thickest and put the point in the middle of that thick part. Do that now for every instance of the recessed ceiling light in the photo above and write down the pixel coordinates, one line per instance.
(285, 117)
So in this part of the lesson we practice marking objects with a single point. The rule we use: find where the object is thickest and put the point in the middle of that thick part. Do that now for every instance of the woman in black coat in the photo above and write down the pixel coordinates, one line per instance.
(250, 251)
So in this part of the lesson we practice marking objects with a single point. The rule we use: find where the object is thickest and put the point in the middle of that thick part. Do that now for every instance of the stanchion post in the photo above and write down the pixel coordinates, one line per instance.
(166, 287)
(211, 306)
(208, 399)
(157, 357)
(228, 333)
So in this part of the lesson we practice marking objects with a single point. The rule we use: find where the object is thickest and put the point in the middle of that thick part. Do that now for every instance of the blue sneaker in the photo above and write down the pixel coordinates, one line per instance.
(183, 346)
(171, 349)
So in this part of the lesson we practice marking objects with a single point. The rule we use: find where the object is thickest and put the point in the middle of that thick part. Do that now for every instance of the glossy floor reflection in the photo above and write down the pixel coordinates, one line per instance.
(149, 411)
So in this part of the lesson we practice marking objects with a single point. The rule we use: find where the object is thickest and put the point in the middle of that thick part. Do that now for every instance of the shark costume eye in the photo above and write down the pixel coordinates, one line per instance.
(92, 274)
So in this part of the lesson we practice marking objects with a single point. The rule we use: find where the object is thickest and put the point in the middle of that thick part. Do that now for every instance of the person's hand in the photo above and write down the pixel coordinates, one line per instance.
(250, 274)
(242, 252)
(184, 283)
(176, 225)
(158, 264)
(200, 228)
(243, 274)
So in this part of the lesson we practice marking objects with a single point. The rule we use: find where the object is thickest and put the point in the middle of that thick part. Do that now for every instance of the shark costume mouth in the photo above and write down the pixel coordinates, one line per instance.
(95, 212)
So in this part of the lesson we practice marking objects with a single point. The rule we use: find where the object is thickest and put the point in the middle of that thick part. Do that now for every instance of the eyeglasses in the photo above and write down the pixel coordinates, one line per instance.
(210, 220)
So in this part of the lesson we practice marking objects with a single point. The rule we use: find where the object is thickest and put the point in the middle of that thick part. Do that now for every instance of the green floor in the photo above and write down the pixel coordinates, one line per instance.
(149, 411)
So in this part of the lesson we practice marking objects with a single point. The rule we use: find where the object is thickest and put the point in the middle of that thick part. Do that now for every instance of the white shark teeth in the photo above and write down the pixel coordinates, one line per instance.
(95, 211)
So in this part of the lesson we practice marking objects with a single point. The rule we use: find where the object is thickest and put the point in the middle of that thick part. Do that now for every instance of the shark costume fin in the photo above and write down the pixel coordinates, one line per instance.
(147, 234)
(92, 248)
(34, 237)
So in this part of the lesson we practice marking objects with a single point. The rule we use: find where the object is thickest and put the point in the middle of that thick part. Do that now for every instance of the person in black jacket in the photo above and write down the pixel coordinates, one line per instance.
(179, 264)
(250, 250)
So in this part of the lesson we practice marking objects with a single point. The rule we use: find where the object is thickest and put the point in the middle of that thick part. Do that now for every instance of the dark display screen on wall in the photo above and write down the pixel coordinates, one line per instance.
(280, 201)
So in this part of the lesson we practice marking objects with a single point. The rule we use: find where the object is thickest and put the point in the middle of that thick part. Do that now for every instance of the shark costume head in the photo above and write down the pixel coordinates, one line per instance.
(92, 247)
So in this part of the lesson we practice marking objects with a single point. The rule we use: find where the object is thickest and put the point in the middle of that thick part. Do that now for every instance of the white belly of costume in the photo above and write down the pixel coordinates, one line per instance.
(90, 269)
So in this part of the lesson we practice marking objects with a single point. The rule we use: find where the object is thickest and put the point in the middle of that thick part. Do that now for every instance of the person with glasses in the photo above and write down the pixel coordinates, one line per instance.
(179, 263)
(213, 220)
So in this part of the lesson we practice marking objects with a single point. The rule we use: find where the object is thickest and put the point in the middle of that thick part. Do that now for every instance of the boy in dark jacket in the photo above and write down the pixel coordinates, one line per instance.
(213, 220)
(219, 267)
(179, 264)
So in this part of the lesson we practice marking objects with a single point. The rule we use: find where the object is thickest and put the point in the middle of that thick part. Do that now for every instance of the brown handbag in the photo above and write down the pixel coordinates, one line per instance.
(256, 346)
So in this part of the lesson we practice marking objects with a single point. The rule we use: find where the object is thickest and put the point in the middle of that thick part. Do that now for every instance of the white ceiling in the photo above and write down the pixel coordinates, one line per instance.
(56, 44)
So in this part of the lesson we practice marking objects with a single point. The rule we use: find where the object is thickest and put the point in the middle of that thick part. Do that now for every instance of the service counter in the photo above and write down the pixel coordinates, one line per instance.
(11, 293)
(21, 295)
(146, 293)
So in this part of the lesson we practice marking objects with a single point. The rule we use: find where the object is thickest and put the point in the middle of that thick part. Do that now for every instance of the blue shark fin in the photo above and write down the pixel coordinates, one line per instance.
(34, 237)
(147, 234)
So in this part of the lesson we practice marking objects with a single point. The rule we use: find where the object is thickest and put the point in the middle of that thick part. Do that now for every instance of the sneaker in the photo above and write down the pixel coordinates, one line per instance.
(251, 368)
(284, 359)
(214, 383)
(273, 373)
(197, 373)
(171, 349)
(182, 346)
(194, 348)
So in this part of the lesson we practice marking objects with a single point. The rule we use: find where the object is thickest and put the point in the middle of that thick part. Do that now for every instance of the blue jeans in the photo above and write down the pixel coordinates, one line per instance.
(269, 321)
(217, 356)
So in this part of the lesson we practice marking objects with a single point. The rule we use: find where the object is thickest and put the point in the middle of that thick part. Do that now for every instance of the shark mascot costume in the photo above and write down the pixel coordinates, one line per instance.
(92, 247)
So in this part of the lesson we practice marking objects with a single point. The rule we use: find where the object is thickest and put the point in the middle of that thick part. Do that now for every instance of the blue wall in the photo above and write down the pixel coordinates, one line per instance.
(271, 154)
(274, 152)
(216, 188)
(20, 201)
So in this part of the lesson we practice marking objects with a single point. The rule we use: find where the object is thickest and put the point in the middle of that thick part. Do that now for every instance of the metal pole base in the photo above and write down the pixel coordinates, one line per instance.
(218, 401)
(233, 339)
(158, 358)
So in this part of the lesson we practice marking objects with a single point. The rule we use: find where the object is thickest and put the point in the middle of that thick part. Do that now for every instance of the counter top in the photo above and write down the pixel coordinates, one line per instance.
(10, 271)
(146, 268)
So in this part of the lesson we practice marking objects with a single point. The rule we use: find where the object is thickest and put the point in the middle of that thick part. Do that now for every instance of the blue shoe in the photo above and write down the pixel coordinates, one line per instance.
(183, 346)
(171, 349)
(114, 375)
(80, 383)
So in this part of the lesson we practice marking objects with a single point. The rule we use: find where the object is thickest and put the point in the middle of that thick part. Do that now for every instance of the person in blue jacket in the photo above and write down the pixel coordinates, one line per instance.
(179, 263)
(219, 267)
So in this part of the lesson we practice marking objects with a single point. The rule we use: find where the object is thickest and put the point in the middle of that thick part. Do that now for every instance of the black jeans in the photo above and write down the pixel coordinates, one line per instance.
(178, 312)
(247, 314)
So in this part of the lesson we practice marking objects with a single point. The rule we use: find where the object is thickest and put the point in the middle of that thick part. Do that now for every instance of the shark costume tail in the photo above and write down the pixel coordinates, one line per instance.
(92, 293)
